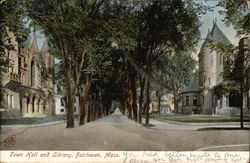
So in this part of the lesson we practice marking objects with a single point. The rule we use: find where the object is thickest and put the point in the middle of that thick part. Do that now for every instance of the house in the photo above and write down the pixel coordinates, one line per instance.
(60, 98)
(166, 104)
(60, 104)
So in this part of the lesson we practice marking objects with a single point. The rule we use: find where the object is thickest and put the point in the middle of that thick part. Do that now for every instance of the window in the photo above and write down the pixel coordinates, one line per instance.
(32, 74)
(220, 59)
(62, 110)
(209, 81)
(194, 100)
(62, 102)
(234, 99)
(74, 109)
(19, 61)
(187, 100)
(204, 80)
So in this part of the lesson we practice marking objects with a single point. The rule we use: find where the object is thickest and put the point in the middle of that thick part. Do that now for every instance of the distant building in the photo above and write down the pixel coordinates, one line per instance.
(204, 95)
(60, 98)
(28, 82)
(166, 105)
(60, 104)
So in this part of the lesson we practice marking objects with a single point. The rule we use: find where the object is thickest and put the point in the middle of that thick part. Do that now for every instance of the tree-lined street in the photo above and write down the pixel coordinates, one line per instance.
(124, 75)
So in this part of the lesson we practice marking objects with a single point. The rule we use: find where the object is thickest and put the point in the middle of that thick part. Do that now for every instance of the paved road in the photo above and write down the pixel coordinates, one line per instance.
(117, 132)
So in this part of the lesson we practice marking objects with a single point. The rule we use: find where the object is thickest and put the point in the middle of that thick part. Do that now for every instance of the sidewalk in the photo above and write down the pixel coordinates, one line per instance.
(202, 123)
(186, 126)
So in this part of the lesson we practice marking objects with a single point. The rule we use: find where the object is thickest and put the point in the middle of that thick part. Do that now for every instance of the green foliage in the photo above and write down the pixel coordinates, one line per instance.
(235, 67)
(175, 71)
(84, 30)
(11, 20)
(237, 14)
(164, 26)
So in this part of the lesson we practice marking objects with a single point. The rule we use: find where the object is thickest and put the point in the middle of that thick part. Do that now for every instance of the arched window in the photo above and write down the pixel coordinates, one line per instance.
(32, 74)
(33, 104)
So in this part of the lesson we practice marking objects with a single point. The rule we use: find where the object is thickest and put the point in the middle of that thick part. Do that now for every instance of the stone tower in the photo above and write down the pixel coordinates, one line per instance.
(210, 68)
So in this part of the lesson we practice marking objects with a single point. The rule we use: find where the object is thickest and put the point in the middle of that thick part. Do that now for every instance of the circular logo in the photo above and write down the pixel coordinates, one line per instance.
(10, 141)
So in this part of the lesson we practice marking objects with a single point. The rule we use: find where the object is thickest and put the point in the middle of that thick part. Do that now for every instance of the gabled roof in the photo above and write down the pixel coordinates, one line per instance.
(215, 36)
(193, 86)
(34, 43)
(30, 42)
(218, 36)
(208, 40)
(45, 47)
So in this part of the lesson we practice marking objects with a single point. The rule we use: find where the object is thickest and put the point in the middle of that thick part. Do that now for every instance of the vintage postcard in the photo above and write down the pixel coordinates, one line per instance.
(130, 81)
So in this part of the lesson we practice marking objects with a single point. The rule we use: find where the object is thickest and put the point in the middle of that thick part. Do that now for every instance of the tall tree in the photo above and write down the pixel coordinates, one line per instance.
(56, 20)
(236, 13)
(175, 71)
(165, 28)
(236, 75)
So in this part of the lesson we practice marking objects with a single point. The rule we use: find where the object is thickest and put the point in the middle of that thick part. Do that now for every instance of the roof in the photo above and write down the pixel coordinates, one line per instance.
(192, 87)
(32, 39)
(24, 90)
(13, 86)
(218, 36)
(45, 47)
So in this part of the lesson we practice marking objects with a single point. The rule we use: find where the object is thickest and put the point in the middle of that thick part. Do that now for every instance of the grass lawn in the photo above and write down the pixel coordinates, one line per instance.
(184, 118)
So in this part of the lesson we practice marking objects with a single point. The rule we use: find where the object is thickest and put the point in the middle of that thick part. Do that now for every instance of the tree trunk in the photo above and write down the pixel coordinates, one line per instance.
(129, 104)
(89, 111)
(70, 117)
(147, 101)
(128, 97)
(241, 105)
(148, 70)
(158, 93)
(142, 84)
(81, 109)
(133, 95)
(93, 110)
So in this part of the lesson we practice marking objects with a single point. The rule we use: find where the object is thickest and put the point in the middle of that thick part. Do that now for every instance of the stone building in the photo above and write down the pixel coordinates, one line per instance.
(211, 65)
(28, 82)
(210, 99)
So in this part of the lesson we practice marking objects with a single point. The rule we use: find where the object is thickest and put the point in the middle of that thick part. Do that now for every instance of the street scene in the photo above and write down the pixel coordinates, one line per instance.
(112, 75)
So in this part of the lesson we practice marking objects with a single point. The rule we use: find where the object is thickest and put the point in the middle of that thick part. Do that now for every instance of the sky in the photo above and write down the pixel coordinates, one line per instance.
(207, 23)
